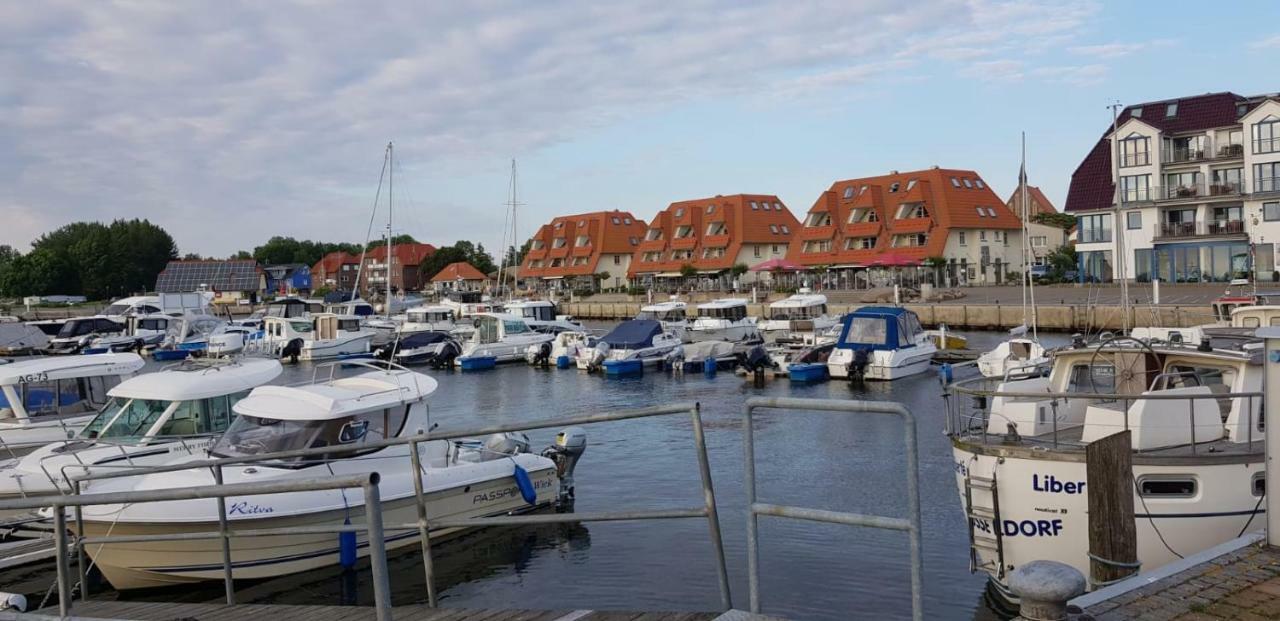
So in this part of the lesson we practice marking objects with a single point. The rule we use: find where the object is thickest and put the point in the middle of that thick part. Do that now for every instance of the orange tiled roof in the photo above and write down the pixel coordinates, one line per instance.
(1037, 202)
(605, 232)
(333, 261)
(952, 198)
(406, 254)
(455, 271)
(745, 218)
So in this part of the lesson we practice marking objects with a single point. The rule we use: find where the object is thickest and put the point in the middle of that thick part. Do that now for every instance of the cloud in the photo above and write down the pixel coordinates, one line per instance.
(1077, 74)
(995, 70)
(1118, 50)
(1266, 44)
(229, 122)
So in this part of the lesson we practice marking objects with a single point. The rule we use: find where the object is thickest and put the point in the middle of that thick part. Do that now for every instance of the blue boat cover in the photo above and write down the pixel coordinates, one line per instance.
(633, 334)
(422, 339)
(878, 327)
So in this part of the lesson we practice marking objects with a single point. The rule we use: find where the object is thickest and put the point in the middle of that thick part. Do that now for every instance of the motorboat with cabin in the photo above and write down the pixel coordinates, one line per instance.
(150, 419)
(724, 319)
(45, 400)
(799, 317)
(880, 343)
(432, 318)
(542, 316)
(1193, 413)
(504, 337)
(141, 332)
(133, 306)
(315, 337)
(460, 479)
(643, 341)
(78, 333)
(569, 345)
(671, 313)
(1016, 356)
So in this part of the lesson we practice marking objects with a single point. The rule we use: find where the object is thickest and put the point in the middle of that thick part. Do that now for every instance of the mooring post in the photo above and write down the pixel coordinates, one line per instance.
(1271, 433)
(1113, 536)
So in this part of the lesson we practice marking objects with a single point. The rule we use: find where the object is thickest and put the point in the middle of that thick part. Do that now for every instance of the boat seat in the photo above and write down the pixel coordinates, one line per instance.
(1159, 423)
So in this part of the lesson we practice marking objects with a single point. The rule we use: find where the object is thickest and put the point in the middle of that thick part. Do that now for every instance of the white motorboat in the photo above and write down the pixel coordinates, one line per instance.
(78, 333)
(570, 345)
(799, 317)
(671, 313)
(1197, 455)
(641, 340)
(724, 320)
(17, 338)
(461, 479)
(141, 332)
(151, 418)
(503, 336)
(122, 309)
(316, 337)
(880, 343)
(44, 400)
(1014, 357)
(541, 316)
(432, 318)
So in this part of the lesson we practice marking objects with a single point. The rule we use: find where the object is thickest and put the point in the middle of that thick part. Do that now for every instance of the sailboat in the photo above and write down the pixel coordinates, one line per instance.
(1018, 355)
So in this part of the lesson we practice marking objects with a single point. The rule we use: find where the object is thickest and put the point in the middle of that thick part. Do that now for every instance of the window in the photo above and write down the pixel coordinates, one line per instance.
(652, 257)
(582, 223)
(774, 248)
(1039, 241)
(817, 245)
(962, 241)
(848, 192)
(1135, 150)
(786, 230)
(968, 184)
(654, 234)
(1266, 177)
(580, 260)
(626, 221)
(617, 259)
(1259, 484)
(558, 242)
(979, 183)
(757, 251)
(557, 263)
(1182, 185)
(911, 184)
(617, 220)
(991, 211)
(777, 206)
(679, 212)
(868, 243)
(583, 240)
(635, 241)
(711, 208)
(893, 187)
(712, 253)
(537, 245)
(1167, 486)
(955, 182)
(909, 210)
(716, 228)
(1184, 148)
(1135, 188)
(1095, 228)
(910, 241)
(683, 231)
(1271, 211)
(982, 236)
(1171, 110)
(1133, 220)
(773, 228)
(1226, 181)
(755, 206)
(982, 212)
(559, 225)
(1266, 135)
(1136, 112)
(819, 218)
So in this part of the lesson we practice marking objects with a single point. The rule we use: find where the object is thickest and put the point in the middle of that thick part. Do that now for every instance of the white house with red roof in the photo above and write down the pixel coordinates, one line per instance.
(459, 276)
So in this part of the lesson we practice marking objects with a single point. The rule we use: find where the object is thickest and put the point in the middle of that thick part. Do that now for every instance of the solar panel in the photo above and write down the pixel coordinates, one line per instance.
(180, 276)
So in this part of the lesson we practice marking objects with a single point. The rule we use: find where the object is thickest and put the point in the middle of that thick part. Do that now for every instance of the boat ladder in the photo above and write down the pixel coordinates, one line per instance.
(984, 524)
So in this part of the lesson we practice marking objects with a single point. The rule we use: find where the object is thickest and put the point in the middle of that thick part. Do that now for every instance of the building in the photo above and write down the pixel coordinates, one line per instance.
(579, 250)
(1199, 191)
(1042, 238)
(460, 276)
(712, 235)
(405, 261)
(288, 279)
(336, 271)
(230, 281)
(946, 214)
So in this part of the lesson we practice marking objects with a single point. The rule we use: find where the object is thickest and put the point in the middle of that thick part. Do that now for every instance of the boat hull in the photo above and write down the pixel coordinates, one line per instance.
(166, 563)
(333, 348)
(885, 365)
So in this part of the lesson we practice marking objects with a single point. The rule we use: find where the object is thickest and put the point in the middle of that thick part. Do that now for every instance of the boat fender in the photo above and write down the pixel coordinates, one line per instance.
(709, 366)
(13, 601)
(347, 546)
(562, 362)
(944, 373)
(525, 484)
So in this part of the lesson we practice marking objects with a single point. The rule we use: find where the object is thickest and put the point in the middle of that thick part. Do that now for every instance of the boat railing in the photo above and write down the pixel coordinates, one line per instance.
(706, 510)
(11, 449)
(968, 412)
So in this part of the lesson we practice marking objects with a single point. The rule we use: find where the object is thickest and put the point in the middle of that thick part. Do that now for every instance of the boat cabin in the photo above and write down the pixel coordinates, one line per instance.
(131, 306)
(729, 309)
(495, 327)
(536, 310)
(318, 327)
(799, 306)
(43, 389)
(633, 334)
(1255, 316)
(86, 326)
(358, 308)
(288, 308)
(429, 314)
(879, 328)
(663, 311)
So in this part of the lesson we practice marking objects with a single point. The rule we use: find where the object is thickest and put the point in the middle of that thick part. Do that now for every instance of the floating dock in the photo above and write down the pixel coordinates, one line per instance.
(163, 611)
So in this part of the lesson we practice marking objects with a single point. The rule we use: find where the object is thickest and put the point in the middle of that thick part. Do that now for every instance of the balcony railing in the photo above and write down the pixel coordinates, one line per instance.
(1174, 230)
(1266, 185)
(1188, 190)
(1184, 154)
(1135, 159)
(1231, 150)
(1225, 188)
(1266, 145)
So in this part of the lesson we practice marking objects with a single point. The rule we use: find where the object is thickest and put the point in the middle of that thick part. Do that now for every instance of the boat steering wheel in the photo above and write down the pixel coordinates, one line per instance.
(1126, 366)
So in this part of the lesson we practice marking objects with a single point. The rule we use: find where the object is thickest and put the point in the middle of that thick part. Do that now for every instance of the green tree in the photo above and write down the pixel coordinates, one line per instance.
(92, 259)
(241, 255)
(280, 250)
(738, 269)
(395, 239)
(1064, 221)
(688, 270)
(514, 257)
(1061, 261)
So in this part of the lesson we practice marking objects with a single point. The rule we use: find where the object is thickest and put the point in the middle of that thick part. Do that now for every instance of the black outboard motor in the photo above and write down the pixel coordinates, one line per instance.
(858, 368)
(542, 356)
(448, 353)
(292, 350)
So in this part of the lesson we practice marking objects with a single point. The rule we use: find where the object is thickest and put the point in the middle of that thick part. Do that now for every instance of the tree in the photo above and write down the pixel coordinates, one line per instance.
(90, 258)
(1061, 261)
(600, 277)
(688, 270)
(241, 255)
(395, 240)
(517, 258)
(1063, 221)
(738, 269)
(279, 250)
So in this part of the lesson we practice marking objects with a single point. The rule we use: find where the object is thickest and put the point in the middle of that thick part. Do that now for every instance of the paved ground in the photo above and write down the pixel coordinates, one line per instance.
(1244, 584)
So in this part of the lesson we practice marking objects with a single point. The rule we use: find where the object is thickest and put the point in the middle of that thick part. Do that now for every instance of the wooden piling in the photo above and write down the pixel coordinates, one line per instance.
(1113, 534)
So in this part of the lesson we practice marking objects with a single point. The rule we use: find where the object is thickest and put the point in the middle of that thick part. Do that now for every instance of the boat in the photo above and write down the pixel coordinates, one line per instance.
(672, 315)
(541, 316)
(78, 333)
(17, 338)
(641, 341)
(724, 320)
(944, 338)
(432, 318)
(568, 345)
(437, 349)
(150, 419)
(504, 337)
(141, 332)
(1017, 356)
(1197, 454)
(316, 337)
(133, 306)
(50, 327)
(880, 343)
(45, 400)
(799, 317)
(460, 479)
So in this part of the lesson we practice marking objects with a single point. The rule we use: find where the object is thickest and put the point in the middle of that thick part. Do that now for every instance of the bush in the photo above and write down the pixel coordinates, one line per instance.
(583, 292)
(637, 291)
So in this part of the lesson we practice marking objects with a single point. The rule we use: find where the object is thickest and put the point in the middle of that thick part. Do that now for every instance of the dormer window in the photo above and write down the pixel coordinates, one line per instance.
(755, 206)
(773, 228)
(654, 234)
(626, 221)
(862, 189)
(683, 231)
(582, 240)
(982, 212)
(967, 183)
(716, 228)
(537, 244)
(911, 184)
(1136, 112)
(786, 230)
(711, 208)
(819, 218)
(559, 225)
(679, 212)
(978, 182)
(908, 210)
(582, 223)
(777, 206)
(617, 220)
(558, 242)
(955, 182)
(1171, 110)
(893, 187)
(848, 192)
(634, 241)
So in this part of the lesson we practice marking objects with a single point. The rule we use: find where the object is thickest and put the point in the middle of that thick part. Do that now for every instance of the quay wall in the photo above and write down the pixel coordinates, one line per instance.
(1063, 317)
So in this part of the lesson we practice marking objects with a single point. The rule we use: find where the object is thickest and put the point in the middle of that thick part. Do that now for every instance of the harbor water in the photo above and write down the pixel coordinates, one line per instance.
(808, 570)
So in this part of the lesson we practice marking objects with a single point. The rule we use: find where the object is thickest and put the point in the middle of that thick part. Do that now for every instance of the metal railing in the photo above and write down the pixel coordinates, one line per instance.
(1184, 154)
(1264, 185)
(1231, 150)
(909, 524)
(424, 524)
(1266, 145)
(1199, 229)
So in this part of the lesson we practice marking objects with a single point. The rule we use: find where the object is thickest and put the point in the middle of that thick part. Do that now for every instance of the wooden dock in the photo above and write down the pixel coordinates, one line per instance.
(165, 611)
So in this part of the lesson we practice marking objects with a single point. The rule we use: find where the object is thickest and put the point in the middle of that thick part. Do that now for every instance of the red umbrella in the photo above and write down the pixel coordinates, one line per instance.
(893, 259)
(780, 265)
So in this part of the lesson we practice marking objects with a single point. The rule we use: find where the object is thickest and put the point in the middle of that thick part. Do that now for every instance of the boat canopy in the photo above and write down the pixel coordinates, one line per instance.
(339, 398)
(422, 339)
(200, 379)
(288, 307)
(879, 327)
(633, 334)
(64, 367)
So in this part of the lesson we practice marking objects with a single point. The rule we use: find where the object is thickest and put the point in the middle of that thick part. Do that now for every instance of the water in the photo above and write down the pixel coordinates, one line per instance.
(808, 570)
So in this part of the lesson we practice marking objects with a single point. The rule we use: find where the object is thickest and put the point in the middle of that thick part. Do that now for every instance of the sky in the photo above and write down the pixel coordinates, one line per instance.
(230, 122)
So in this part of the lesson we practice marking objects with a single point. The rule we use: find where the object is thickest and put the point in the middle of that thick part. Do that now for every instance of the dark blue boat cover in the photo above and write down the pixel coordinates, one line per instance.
(422, 339)
(633, 334)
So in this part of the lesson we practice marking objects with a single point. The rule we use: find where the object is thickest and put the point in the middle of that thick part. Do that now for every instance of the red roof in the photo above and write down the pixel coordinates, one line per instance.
(1091, 185)
(1037, 202)
(583, 239)
(334, 261)
(405, 254)
(739, 219)
(458, 271)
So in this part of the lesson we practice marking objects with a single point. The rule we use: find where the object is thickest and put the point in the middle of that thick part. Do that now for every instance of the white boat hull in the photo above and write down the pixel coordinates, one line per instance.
(333, 348)
(511, 350)
(884, 364)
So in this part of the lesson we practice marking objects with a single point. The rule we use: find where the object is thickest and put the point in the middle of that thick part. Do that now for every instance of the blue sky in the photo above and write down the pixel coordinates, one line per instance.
(230, 122)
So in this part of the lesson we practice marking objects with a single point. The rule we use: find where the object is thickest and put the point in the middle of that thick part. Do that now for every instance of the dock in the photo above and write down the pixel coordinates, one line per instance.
(163, 611)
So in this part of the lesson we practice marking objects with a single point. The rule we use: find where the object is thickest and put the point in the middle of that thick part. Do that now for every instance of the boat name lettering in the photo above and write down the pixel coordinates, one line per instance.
(1031, 528)
(33, 377)
(507, 492)
(244, 508)
(1052, 485)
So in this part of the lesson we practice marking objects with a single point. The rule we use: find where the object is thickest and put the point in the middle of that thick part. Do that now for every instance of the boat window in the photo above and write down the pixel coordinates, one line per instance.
(250, 435)
(514, 327)
(1099, 379)
(126, 418)
(866, 331)
(1275, 321)
(7, 398)
(301, 327)
(76, 328)
(155, 324)
(1218, 380)
(350, 325)
(1259, 484)
(1167, 486)
(201, 416)
(1251, 322)
(486, 329)
(49, 397)
(646, 315)
(115, 309)
(106, 325)
(417, 318)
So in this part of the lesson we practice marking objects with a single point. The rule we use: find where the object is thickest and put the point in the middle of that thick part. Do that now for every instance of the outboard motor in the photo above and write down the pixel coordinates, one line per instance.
(569, 446)
(292, 350)
(858, 368)
(675, 360)
(539, 355)
(598, 354)
(448, 353)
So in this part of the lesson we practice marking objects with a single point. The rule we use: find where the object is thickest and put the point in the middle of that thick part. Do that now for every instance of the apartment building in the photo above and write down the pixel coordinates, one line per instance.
(712, 235)
(336, 271)
(948, 213)
(1042, 239)
(403, 267)
(1198, 195)
(579, 250)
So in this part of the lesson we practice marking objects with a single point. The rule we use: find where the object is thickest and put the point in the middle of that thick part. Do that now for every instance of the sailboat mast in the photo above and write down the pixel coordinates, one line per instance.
(1115, 225)
(1027, 252)
(515, 241)
(1022, 194)
(391, 185)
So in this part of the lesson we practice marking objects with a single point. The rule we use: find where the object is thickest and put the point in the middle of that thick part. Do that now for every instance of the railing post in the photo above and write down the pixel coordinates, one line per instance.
(709, 497)
(80, 560)
(423, 534)
(377, 549)
(227, 580)
(749, 481)
(60, 549)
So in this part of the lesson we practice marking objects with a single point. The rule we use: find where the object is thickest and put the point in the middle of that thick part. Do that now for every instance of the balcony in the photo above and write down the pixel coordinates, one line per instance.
(1128, 160)
(1185, 230)
(1184, 154)
(1266, 145)
(1266, 185)
(1230, 151)
(1198, 190)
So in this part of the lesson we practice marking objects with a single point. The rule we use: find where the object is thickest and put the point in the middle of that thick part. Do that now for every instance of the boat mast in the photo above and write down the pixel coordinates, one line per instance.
(515, 241)
(391, 184)
(1029, 285)
(364, 249)
(1120, 258)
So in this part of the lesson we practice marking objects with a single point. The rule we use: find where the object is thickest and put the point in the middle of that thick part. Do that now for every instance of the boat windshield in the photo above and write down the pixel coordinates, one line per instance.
(801, 312)
(301, 327)
(155, 324)
(732, 313)
(76, 328)
(866, 331)
(125, 418)
(249, 436)
(514, 327)
(116, 309)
